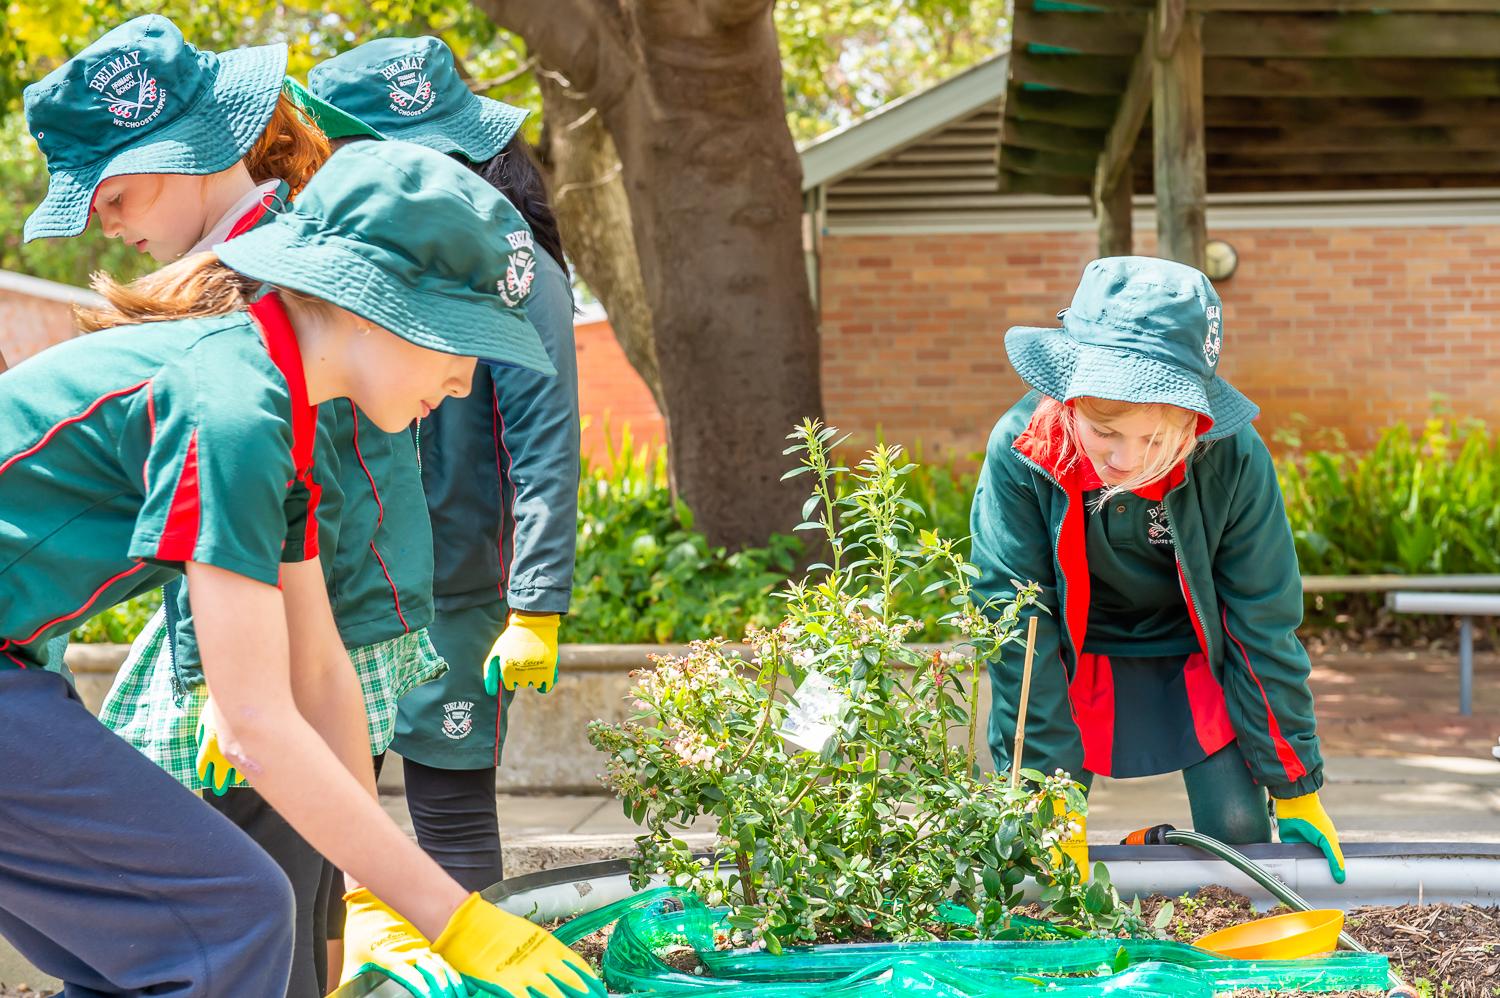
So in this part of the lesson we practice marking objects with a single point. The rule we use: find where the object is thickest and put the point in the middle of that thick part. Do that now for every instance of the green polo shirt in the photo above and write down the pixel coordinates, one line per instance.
(127, 453)
(1136, 606)
(373, 530)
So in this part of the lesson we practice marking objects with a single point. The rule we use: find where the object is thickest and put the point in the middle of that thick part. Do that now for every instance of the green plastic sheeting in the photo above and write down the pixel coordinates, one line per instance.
(653, 920)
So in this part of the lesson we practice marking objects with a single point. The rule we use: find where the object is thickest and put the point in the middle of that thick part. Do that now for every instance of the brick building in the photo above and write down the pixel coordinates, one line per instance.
(1351, 309)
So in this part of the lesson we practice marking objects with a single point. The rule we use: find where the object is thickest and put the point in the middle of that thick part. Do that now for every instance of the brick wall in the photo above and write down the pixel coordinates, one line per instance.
(611, 396)
(1353, 328)
(34, 314)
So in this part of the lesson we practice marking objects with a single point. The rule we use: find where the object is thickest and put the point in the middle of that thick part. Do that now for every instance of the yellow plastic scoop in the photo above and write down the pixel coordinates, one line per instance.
(1280, 937)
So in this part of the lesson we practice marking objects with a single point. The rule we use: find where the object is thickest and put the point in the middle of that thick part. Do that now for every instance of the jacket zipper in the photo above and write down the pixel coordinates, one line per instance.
(1187, 583)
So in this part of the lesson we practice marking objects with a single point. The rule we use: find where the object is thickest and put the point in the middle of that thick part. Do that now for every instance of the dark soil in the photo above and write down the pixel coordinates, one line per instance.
(1447, 951)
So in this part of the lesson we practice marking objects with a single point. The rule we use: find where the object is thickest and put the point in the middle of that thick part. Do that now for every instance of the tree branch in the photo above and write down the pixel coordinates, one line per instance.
(576, 37)
(484, 86)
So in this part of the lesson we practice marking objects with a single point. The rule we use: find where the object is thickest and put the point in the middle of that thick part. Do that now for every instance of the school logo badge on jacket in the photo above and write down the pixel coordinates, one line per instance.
(458, 719)
(128, 90)
(411, 91)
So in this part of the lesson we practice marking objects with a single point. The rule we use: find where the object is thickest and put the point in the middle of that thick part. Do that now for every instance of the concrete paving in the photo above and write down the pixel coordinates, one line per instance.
(1411, 799)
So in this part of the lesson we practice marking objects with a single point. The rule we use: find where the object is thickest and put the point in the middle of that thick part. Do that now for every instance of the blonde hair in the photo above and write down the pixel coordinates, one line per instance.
(292, 148)
(195, 287)
(1055, 425)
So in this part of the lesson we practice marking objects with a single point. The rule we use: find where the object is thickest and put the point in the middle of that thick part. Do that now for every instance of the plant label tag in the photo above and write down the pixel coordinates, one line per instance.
(816, 711)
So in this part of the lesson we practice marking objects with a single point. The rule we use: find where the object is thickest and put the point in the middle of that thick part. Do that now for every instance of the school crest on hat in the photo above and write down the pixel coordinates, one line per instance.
(409, 89)
(1213, 343)
(520, 268)
(128, 88)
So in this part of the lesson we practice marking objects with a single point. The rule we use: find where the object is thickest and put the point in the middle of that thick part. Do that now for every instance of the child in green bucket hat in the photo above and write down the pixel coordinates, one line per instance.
(168, 143)
(375, 532)
(127, 449)
(1132, 486)
(504, 462)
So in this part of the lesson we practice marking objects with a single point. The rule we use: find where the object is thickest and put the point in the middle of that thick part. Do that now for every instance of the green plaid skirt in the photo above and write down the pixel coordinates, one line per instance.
(144, 709)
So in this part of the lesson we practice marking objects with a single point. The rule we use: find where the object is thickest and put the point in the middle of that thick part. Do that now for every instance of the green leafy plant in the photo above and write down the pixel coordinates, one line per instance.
(644, 575)
(852, 806)
(1417, 503)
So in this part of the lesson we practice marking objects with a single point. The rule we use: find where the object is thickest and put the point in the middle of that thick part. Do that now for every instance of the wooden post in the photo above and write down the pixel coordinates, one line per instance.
(1112, 212)
(1015, 759)
(1177, 133)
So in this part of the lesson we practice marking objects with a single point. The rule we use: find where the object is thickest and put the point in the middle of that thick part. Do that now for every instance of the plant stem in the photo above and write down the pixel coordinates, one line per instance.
(747, 888)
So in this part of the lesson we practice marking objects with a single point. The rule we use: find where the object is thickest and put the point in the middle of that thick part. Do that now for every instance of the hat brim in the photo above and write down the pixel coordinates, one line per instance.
(332, 268)
(1060, 367)
(212, 135)
(478, 131)
(335, 122)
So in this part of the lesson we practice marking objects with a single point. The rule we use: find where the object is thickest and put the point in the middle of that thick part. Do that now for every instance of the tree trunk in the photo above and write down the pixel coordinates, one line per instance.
(593, 214)
(691, 93)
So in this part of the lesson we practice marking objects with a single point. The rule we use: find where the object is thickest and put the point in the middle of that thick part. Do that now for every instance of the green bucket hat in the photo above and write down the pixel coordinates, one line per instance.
(409, 89)
(413, 241)
(334, 123)
(1140, 329)
(142, 100)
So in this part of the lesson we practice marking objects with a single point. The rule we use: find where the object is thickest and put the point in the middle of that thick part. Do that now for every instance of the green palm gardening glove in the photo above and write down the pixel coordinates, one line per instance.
(525, 654)
(502, 954)
(214, 768)
(1302, 819)
(379, 940)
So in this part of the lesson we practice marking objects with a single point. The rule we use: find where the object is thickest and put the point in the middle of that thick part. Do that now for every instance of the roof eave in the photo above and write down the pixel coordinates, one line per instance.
(846, 150)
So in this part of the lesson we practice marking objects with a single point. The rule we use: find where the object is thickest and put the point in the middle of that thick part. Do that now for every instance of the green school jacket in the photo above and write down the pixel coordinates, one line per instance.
(1239, 572)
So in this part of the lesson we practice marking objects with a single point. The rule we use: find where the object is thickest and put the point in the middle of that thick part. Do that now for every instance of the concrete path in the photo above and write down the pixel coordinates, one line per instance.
(1411, 799)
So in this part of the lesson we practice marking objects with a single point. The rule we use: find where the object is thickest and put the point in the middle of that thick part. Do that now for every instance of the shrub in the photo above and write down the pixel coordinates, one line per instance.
(844, 807)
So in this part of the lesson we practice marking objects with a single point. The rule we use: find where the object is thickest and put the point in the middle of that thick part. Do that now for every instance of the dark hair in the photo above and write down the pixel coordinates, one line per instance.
(512, 172)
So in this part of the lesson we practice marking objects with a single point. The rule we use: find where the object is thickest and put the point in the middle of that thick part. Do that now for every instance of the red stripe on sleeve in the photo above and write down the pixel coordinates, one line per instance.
(180, 535)
(1284, 751)
(53, 431)
(503, 473)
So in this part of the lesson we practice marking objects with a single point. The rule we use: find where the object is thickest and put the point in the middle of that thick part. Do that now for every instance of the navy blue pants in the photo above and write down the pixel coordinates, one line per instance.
(116, 878)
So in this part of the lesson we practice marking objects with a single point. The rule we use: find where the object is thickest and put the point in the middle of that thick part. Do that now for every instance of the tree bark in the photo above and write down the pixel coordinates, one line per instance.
(691, 93)
(593, 214)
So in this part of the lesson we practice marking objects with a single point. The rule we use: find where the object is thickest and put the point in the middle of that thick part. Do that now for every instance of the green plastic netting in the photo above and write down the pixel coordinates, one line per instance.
(648, 923)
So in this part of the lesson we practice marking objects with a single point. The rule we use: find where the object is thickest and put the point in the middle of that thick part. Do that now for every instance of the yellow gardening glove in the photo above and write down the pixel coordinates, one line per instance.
(502, 954)
(378, 939)
(213, 768)
(1074, 845)
(524, 655)
(1302, 819)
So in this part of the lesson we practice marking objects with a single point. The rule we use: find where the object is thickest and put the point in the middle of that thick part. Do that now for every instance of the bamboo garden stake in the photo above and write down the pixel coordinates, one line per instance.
(1015, 758)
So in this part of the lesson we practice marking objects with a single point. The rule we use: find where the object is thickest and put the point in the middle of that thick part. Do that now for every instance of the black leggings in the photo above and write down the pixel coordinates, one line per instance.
(453, 813)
